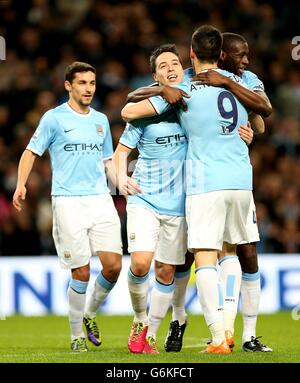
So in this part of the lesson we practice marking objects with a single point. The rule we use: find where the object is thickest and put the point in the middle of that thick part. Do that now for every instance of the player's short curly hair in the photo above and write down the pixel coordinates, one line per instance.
(77, 67)
(229, 39)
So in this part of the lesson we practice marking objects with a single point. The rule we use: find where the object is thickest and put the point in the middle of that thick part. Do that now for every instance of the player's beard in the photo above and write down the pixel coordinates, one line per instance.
(84, 102)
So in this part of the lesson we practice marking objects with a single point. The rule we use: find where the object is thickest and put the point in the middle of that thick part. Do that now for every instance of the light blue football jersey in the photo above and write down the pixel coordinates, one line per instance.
(162, 146)
(77, 144)
(188, 73)
(252, 81)
(217, 158)
(249, 78)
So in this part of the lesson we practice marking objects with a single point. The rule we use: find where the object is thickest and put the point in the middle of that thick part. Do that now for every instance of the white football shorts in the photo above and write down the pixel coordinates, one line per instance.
(220, 216)
(165, 235)
(252, 228)
(83, 226)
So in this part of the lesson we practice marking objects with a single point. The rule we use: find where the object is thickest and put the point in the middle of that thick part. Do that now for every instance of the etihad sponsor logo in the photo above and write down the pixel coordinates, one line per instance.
(172, 139)
(83, 147)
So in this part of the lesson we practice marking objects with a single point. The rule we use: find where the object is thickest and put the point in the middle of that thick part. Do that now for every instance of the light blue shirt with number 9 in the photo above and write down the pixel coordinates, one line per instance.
(217, 158)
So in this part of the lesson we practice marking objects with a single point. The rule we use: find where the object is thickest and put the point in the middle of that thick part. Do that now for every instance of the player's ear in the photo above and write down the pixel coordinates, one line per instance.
(223, 55)
(68, 86)
(154, 76)
(192, 53)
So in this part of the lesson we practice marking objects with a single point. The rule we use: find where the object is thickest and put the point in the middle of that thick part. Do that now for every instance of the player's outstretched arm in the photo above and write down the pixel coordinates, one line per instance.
(25, 165)
(143, 93)
(142, 109)
(136, 110)
(252, 100)
(173, 96)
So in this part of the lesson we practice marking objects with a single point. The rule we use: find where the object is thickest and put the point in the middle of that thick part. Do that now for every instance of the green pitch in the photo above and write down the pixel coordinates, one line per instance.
(46, 339)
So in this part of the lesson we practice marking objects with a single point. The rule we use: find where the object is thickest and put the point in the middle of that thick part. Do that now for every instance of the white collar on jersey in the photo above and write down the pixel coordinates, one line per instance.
(77, 113)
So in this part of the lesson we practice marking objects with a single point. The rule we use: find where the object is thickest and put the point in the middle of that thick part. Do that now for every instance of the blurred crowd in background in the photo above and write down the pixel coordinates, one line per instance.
(44, 36)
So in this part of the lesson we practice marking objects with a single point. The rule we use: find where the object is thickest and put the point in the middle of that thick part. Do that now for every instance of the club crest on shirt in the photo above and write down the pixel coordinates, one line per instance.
(99, 130)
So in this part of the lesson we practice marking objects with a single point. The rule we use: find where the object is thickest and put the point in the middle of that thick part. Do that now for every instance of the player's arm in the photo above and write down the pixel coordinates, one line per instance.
(25, 165)
(263, 95)
(125, 184)
(172, 95)
(246, 133)
(257, 123)
(110, 171)
(136, 110)
(252, 100)
(143, 93)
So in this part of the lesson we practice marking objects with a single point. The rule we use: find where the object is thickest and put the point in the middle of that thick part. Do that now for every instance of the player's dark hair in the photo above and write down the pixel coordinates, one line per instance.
(231, 38)
(207, 43)
(162, 49)
(77, 67)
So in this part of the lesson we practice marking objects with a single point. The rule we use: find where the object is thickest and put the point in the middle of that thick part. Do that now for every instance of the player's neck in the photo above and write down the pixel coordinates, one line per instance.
(82, 109)
(200, 67)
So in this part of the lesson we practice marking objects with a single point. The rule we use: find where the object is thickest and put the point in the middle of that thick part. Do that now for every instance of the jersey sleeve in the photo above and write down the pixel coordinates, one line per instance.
(43, 136)
(159, 104)
(131, 135)
(107, 143)
(253, 82)
(233, 77)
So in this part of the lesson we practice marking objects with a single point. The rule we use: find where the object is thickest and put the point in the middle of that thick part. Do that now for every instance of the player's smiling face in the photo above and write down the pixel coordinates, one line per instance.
(82, 88)
(236, 60)
(168, 69)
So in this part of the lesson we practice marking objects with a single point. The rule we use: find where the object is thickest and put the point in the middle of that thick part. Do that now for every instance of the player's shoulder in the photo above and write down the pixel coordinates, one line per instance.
(232, 76)
(141, 123)
(99, 115)
(184, 85)
(58, 109)
(135, 124)
(188, 73)
(252, 81)
(52, 114)
(247, 74)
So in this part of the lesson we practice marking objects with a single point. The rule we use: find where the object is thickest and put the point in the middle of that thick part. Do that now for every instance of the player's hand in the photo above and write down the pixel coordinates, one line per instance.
(246, 133)
(129, 187)
(210, 77)
(174, 96)
(18, 197)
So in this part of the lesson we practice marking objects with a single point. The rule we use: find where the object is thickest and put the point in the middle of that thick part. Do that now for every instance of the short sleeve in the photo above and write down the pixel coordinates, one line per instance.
(159, 104)
(44, 134)
(107, 144)
(131, 135)
(253, 82)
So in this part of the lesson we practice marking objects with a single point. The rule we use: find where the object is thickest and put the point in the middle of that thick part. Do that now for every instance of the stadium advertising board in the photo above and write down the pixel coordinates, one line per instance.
(37, 286)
